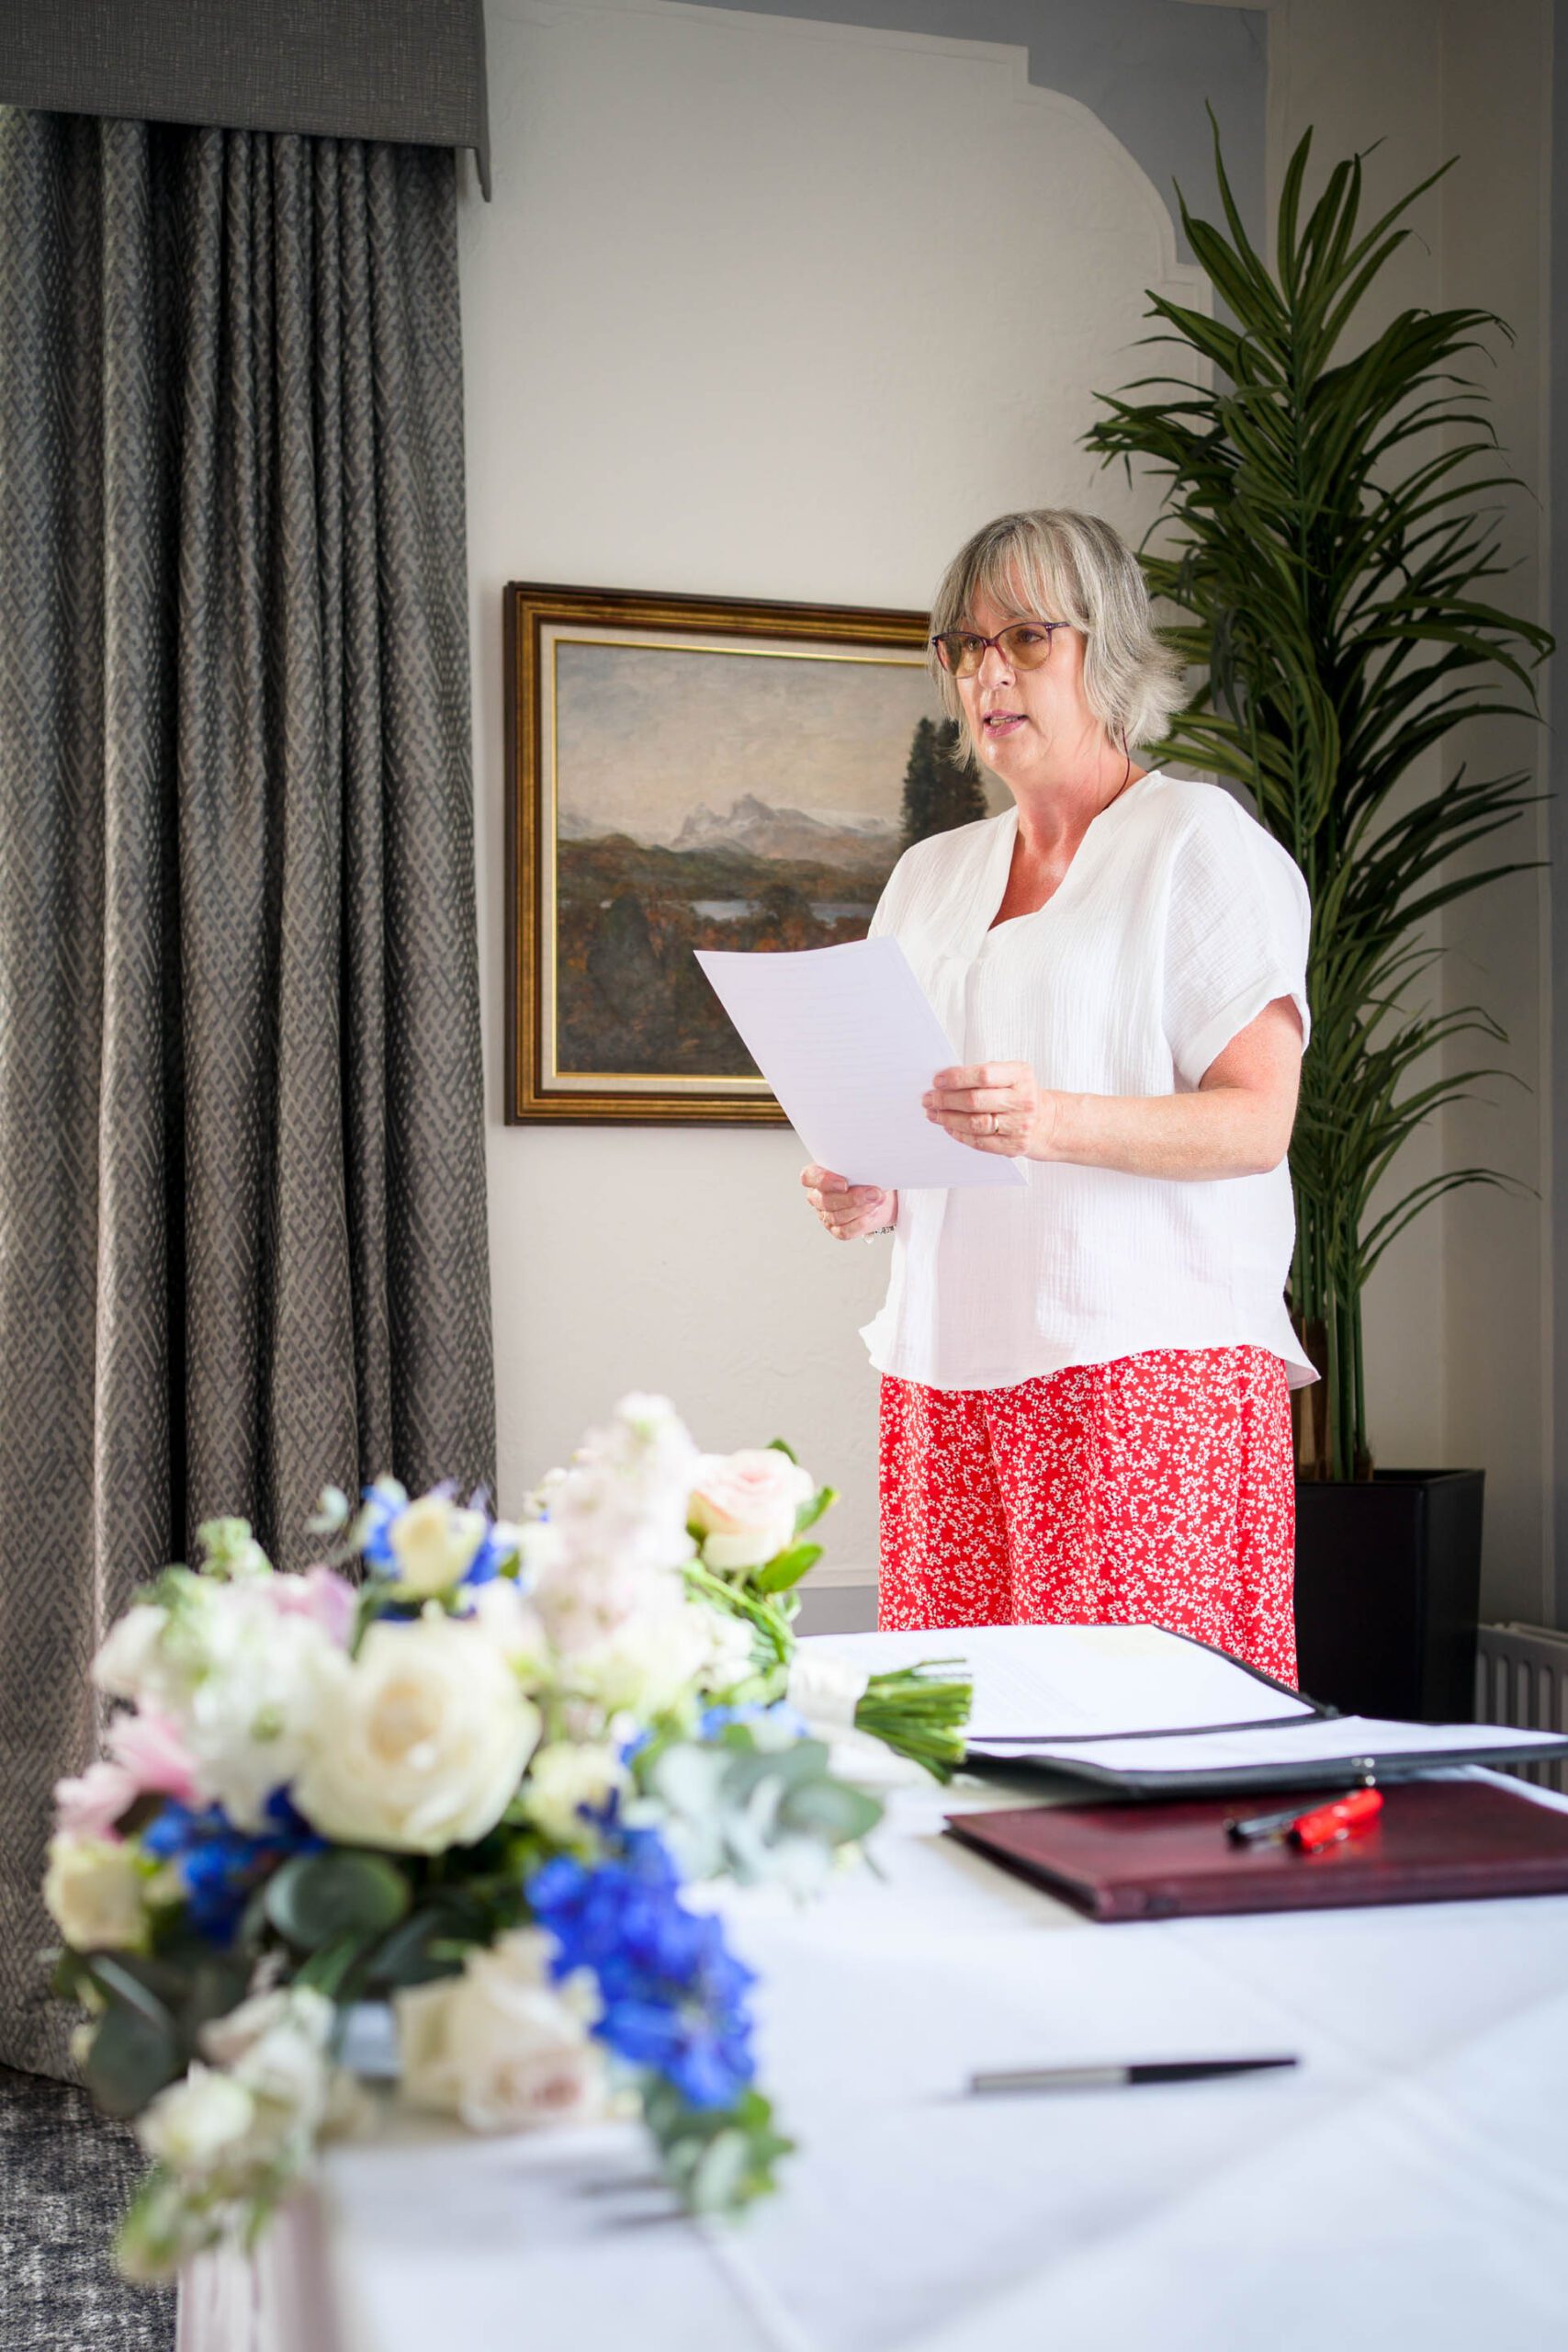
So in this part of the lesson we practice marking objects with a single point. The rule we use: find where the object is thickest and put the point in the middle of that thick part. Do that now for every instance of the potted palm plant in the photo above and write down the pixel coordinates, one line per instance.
(1325, 541)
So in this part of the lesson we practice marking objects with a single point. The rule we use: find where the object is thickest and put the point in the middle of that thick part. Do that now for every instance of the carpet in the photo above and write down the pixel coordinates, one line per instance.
(65, 2178)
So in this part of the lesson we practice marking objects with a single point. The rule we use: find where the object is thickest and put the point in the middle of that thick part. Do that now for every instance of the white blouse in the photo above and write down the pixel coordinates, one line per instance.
(1178, 920)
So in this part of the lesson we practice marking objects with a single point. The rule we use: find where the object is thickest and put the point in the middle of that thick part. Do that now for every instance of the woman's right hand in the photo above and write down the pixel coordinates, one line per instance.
(848, 1211)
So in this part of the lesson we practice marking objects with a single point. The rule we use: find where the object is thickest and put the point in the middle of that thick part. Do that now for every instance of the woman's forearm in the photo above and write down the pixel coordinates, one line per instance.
(1218, 1132)
(1235, 1123)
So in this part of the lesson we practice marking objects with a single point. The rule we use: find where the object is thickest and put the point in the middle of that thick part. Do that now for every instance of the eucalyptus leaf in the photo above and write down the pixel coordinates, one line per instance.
(135, 2049)
(215, 1985)
(316, 1898)
(747, 2141)
(329, 1968)
(830, 1810)
(428, 1944)
(792, 1767)
(166, 1974)
(121, 1978)
(68, 1974)
(689, 1777)
(715, 2180)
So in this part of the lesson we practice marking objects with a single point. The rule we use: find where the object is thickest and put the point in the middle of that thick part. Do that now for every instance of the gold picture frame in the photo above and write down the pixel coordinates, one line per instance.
(629, 718)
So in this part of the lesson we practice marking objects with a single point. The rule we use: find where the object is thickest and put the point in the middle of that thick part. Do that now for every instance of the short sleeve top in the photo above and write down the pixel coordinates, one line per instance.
(1178, 920)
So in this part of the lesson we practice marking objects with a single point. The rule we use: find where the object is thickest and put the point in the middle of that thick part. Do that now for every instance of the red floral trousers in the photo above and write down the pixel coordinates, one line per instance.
(1158, 1489)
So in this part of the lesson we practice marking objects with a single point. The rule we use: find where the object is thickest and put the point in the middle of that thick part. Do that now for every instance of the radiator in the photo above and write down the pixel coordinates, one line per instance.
(1521, 1677)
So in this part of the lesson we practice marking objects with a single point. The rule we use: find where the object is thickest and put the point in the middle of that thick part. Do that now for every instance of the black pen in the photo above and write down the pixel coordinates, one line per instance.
(1085, 2079)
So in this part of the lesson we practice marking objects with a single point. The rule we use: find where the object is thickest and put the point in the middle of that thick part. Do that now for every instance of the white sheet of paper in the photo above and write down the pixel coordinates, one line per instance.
(1343, 1738)
(1037, 1682)
(848, 1041)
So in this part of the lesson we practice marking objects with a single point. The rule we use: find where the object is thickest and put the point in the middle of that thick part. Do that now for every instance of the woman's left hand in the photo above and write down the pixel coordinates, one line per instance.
(997, 1107)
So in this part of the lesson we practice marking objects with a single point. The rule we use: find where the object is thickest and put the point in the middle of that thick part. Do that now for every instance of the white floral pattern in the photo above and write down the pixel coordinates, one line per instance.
(1158, 1489)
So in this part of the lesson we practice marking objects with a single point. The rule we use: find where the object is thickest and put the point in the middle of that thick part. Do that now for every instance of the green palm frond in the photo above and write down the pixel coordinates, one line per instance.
(1326, 541)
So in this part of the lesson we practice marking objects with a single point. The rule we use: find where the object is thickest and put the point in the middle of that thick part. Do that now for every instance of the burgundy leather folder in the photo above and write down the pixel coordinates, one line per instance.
(1435, 1842)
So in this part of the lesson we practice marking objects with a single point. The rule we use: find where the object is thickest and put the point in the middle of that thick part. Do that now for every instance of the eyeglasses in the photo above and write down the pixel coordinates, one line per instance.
(1023, 645)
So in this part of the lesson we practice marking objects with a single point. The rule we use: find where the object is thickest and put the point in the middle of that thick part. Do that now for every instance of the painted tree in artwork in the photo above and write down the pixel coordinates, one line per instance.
(938, 792)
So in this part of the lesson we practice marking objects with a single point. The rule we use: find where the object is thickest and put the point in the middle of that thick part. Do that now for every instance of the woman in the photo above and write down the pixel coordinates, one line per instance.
(1085, 1381)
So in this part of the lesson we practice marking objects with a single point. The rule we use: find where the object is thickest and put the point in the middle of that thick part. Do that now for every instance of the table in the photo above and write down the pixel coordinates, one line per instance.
(1407, 2186)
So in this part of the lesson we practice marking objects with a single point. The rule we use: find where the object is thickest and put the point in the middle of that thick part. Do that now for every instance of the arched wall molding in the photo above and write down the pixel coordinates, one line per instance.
(1147, 68)
(1012, 60)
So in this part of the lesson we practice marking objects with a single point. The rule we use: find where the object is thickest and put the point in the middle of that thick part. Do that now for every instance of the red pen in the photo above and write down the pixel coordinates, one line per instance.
(1330, 1824)
(1324, 1825)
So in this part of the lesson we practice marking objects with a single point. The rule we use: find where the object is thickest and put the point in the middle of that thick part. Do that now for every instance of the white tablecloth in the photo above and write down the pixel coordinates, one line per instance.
(1407, 2185)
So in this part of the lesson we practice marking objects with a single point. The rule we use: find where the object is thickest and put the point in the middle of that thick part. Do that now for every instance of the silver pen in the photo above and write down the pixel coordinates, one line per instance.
(1106, 2077)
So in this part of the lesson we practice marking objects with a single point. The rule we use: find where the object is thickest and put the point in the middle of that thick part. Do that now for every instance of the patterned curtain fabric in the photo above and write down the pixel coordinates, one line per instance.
(243, 1242)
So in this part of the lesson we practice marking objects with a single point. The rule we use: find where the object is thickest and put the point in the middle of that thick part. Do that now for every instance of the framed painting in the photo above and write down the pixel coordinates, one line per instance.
(685, 773)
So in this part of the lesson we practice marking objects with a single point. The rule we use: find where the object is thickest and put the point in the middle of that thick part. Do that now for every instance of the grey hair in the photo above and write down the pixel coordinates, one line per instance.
(1050, 563)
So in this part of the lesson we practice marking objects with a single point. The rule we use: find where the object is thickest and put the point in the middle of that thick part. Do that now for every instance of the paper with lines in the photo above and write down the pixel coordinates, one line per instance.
(1341, 1739)
(849, 1042)
(1035, 1683)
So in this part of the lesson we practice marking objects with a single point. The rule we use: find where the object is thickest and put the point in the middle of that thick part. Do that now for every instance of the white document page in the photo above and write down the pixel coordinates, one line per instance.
(1342, 1739)
(1034, 1684)
(848, 1041)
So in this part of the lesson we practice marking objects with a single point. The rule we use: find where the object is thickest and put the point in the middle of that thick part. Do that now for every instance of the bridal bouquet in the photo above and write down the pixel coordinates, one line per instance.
(476, 1780)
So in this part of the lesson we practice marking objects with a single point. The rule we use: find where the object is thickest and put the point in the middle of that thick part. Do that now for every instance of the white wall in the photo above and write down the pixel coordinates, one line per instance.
(723, 335)
(720, 337)
(1459, 1320)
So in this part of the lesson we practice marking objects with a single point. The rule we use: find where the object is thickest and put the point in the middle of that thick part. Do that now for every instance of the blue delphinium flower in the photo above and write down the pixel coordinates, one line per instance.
(384, 1502)
(219, 1866)
(675, 1997)
(492, 1554)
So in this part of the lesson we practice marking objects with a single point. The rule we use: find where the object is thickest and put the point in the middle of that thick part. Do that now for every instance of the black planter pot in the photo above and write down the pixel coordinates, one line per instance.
(1388, 1592)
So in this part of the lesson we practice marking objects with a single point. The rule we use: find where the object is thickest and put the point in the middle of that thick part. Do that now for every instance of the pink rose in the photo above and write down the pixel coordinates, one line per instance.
(744, 1505)
(149, 1749)
(326, 1598)
(89, 1805)
(147, 1758)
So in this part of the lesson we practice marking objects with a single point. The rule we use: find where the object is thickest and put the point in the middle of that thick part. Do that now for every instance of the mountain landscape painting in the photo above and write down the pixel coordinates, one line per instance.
(728, 795)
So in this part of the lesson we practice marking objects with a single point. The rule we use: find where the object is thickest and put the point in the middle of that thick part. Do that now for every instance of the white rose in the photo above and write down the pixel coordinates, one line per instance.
(583, 1602)
(127, 1660)
(648, 1663)
(235, 1675)
(434, 1543)
(248, 1719)
(274, 2046)
(729, 1658)
(93, 1892)
(421, 1740)
(536, 1504)
(306, 2012)
(199, 2122)
(566, 1776)
(744, 1505)
(624, 1499)
(500, 2046)
(540, 1548)
(515, 1625)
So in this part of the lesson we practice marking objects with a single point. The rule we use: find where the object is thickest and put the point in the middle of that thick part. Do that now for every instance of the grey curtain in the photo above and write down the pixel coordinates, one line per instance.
(243, 1242)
